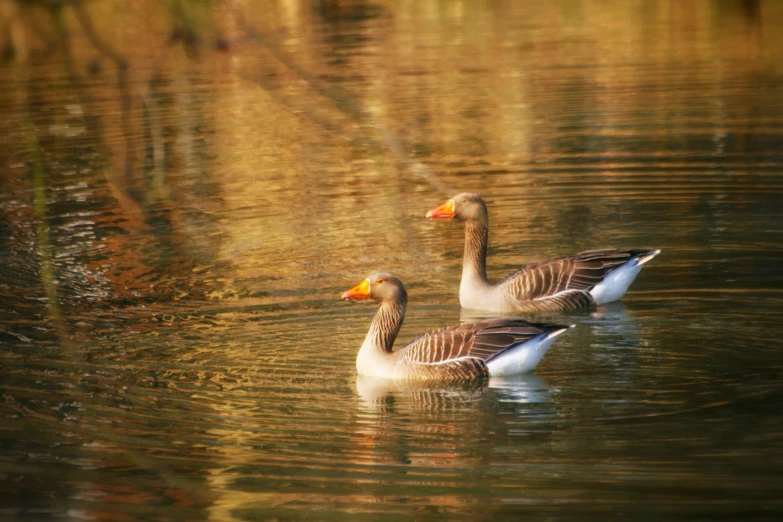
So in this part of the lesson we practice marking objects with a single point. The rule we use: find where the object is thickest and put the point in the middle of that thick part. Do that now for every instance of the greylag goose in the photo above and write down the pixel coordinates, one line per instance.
(563, 283)
(491, 348)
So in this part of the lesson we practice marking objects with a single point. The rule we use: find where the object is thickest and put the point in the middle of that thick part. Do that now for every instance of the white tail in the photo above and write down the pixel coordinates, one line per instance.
(643, 260)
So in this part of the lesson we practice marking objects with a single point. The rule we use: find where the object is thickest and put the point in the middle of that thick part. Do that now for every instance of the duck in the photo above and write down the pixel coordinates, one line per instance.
(489, 348)
(567, 283)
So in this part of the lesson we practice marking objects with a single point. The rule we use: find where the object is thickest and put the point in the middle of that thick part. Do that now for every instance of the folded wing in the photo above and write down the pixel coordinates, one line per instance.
(481, 341)
(565, 281)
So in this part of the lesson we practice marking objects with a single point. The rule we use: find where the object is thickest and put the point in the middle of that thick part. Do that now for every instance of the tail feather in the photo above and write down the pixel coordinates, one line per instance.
(555, 333)
(643, 259)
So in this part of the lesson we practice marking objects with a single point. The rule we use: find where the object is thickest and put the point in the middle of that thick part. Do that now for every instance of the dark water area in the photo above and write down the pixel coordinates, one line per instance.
(187, 188)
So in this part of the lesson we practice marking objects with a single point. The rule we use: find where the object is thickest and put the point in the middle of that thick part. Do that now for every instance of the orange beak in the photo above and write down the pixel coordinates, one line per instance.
(360, 291)
(446, 210)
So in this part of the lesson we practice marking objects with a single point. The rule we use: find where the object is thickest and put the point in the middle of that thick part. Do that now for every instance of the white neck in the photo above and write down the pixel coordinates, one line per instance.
(375, 358)
(476, 293)
(373, 362)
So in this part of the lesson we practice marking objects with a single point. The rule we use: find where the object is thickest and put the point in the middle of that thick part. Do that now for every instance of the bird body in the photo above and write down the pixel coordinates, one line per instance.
(559, 284)
(491, 348)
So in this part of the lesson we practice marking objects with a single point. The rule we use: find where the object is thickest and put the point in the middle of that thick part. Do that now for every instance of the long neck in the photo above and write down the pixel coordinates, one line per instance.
(386, 324)
(474, 260)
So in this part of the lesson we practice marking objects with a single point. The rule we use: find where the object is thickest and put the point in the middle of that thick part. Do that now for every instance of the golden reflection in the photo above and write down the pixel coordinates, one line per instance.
(213, 132)
(384, 396)
(382, 402)
(48, 278)
(266, 152)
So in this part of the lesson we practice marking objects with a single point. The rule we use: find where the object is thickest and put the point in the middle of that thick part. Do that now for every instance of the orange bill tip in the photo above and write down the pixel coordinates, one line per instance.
(360, 291)
(446, 210)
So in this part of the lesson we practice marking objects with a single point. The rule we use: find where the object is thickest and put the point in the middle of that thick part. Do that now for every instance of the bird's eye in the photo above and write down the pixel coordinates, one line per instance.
(464, 200)
(379, 281)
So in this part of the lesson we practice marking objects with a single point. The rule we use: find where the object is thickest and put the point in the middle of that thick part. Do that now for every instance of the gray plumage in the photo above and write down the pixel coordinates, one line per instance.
(563, 283)
(463, 351)
(452, 353)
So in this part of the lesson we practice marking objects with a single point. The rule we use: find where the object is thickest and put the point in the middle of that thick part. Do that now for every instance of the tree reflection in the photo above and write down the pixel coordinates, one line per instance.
(165, 165)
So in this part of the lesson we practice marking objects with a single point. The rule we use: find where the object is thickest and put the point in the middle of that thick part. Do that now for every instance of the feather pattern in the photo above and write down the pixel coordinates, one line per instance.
(563, 283)
(465, 351)
(482, 340)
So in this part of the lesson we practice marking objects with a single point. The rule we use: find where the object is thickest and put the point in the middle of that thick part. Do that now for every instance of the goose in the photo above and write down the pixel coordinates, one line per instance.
(490, 348)
(566, 283)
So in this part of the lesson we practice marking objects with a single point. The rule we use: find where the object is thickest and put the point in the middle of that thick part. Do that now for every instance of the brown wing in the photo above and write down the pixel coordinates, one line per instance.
(458, 369)
(566, 279)
(481, 341)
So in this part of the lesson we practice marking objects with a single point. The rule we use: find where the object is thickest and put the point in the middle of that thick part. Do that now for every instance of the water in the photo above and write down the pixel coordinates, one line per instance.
(173, 243)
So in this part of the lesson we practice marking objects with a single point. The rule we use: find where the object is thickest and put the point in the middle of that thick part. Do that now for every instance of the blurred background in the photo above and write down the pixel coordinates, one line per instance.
(187, 186)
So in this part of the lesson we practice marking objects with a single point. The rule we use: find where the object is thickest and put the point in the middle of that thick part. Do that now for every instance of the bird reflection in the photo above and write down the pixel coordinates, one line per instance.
(384, 396)
(427, 424)
(616, 312)
(527, 388)
(608, 321)
(614, 326)
(468, 315)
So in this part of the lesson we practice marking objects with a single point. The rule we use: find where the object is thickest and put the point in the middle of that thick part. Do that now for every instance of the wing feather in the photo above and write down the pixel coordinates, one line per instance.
(483, 341)
(564, 281)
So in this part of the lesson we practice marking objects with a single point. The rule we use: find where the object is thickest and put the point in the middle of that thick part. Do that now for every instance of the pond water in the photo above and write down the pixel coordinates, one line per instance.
(187, 189)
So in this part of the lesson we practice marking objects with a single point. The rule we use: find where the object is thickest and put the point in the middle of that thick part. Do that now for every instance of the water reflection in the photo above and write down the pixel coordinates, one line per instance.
(390, 397)
(613, 323)
(422, 428)
(185, 188)
(524, 389)
(386, 397)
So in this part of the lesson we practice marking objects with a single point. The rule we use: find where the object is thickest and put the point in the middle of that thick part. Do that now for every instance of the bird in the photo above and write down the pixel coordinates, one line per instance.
(567, 283)
(489, 348)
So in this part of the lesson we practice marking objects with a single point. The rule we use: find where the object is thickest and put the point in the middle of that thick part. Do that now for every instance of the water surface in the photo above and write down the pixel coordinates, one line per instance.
(184, 199)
